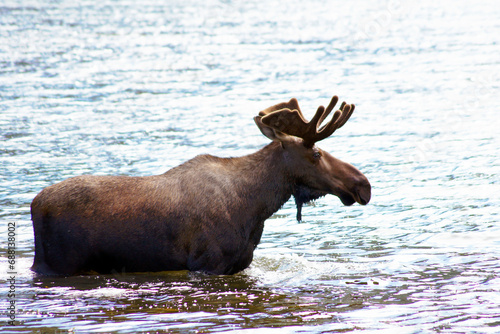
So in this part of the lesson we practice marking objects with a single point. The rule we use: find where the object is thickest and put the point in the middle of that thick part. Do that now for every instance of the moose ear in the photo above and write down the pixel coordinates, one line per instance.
(270, 132)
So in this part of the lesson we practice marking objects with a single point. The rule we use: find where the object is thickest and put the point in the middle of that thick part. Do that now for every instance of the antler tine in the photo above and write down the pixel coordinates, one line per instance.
(346, 114)
(316, 120)
(340, 117)
(325, 131)
(346, 111)
(323, 113)
(329, 109)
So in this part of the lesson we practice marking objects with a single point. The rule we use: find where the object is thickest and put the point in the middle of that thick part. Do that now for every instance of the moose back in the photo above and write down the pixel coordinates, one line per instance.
(205, 215)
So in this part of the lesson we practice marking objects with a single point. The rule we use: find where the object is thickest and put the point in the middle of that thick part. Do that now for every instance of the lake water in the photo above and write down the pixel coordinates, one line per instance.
(135, 88)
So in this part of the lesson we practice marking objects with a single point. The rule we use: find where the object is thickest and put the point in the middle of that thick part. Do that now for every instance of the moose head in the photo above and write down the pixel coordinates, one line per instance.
(316, 172)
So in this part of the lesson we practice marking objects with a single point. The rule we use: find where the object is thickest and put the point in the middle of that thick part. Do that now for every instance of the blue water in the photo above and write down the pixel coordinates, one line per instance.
(126, 88)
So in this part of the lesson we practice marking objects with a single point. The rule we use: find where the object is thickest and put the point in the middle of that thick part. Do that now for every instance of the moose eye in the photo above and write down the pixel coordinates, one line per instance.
(316, 155)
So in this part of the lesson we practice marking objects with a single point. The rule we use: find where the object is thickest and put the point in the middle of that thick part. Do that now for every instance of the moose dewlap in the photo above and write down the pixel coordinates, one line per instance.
(205, 215)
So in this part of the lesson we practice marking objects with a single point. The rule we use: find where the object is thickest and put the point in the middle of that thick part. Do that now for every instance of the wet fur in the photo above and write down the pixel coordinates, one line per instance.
(303, 195)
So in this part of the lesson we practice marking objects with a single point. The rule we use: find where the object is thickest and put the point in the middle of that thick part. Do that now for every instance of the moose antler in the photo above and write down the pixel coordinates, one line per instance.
(287, 118)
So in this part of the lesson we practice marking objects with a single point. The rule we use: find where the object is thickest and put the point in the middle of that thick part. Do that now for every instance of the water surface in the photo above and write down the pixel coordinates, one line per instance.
(125, 88)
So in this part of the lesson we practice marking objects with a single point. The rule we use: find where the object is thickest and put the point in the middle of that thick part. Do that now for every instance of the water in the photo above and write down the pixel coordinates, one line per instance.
(126, 88)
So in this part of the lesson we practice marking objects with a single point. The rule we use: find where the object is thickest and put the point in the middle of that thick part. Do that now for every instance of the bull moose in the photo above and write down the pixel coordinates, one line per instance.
(206, 214)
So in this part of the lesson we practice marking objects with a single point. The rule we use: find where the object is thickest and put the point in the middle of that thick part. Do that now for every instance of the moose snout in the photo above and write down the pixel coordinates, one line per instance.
(363, 191)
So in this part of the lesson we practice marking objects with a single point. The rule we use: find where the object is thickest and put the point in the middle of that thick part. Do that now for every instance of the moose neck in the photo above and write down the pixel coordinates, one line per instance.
(264, 180)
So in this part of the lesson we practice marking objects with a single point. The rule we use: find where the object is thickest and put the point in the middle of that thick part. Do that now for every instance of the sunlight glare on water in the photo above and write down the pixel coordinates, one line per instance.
(125, 88)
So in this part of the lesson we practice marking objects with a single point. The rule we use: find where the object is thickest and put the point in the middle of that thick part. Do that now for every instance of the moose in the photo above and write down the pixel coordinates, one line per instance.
(206, 214)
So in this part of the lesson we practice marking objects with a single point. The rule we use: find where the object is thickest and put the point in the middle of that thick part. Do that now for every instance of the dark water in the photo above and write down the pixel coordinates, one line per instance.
(126, 88)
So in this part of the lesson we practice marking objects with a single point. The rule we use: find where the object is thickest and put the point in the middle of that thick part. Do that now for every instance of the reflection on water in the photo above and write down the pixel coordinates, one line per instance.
(125, 89)
(186, 300)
